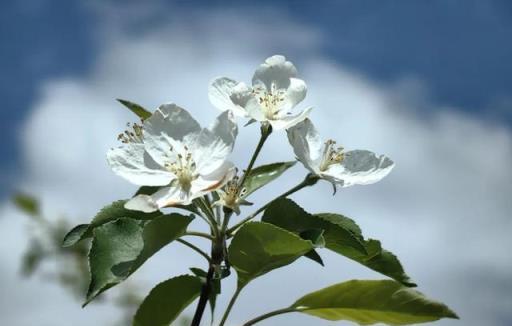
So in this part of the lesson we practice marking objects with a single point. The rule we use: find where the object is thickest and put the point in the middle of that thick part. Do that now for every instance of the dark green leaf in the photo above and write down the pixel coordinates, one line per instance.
(27, 204)
(120, 247)
(136, 108)
(342, 235)
(314, 256)
(316, 236)
(147, 190)
(286, 214)
(371, 302)
(167, 300)
(258, 248)
(107, 214)
(260, 176)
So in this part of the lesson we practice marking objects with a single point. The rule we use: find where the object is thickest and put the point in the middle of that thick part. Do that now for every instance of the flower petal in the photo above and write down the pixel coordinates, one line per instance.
(288, 121)
(215, 180)
(165, 128)
(225, 128)
(307, 144)
(275, 70)
(208, 150)
(360, 167)
(220, 91)
(134, 164)
(165, 197)
(295, 93)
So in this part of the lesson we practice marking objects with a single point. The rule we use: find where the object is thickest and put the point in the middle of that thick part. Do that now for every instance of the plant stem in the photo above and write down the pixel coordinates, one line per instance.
(217, 257)
(205, 295)
(230, 305)
(270, 314)
(266, 130)
(199, 234)
(309, 180)
(193, 247)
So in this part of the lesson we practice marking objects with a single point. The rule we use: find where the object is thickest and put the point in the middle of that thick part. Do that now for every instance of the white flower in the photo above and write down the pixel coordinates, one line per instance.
(274, 93)
(171, 150)
(333, 164)
(232, 196)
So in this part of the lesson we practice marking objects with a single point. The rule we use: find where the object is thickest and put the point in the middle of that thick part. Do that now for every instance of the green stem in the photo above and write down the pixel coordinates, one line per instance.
(199, 234)
(266, 130)
(308, 181)
(230, 305)
(270, 314)
(193, 247)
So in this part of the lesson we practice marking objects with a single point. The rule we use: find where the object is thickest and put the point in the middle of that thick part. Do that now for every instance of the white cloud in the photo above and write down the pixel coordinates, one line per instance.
(443, 210)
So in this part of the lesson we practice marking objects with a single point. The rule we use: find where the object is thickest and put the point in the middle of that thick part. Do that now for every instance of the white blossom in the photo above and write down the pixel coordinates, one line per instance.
(275, 91)
(332, 163)
(171, 150)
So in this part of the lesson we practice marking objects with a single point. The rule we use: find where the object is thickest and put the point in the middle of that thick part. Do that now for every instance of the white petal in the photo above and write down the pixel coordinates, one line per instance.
(165, 128)
(360, 167)
(220, 92)
(254, 110)
(295, 93)
(208, 151)
(135, 165)
(225, 128)
(215, 180)
(165, 197)
(289, 121)
(240, 94)
(276, 70)
(307, 144)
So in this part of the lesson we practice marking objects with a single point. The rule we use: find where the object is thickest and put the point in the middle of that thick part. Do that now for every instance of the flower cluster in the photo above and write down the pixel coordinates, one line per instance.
(170, 149)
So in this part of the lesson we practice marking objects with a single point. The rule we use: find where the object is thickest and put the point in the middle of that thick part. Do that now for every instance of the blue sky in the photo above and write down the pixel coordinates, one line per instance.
(459, 50)
(426, 82)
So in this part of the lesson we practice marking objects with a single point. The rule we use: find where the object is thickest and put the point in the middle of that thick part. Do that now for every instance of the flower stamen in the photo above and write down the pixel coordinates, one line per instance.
(269, 100)
(331, 155)
(134, 135)
(184, 168)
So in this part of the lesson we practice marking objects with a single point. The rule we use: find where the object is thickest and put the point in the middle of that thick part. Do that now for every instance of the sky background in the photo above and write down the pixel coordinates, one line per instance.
(426, 82)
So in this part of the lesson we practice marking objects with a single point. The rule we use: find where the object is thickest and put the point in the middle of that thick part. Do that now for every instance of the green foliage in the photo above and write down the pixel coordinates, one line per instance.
(341, 234)
(264, 174)
(167, 300)
(258, 248)
(136, 108)
(371, 302)
(120, 247)
(107, 214)
(27, 204)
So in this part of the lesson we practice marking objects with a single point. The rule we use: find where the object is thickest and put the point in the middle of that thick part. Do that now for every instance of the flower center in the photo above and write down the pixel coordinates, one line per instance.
(184, 168)
(331, 155)
(233, 192)
(132, 135)
(270, 100)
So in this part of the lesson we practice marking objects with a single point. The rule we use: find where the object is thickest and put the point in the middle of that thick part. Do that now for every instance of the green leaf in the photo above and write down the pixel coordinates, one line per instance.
(167, 300)
(258, 248)
(371, 302)
(286, 214)
(136, 108)
(314, 256)
(260, 176)
(120, 247)
(107, 214)
(341, 234)
(28, 204)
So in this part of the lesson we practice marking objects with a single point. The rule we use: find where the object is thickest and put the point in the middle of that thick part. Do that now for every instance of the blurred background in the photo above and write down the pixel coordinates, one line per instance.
(429, 83)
